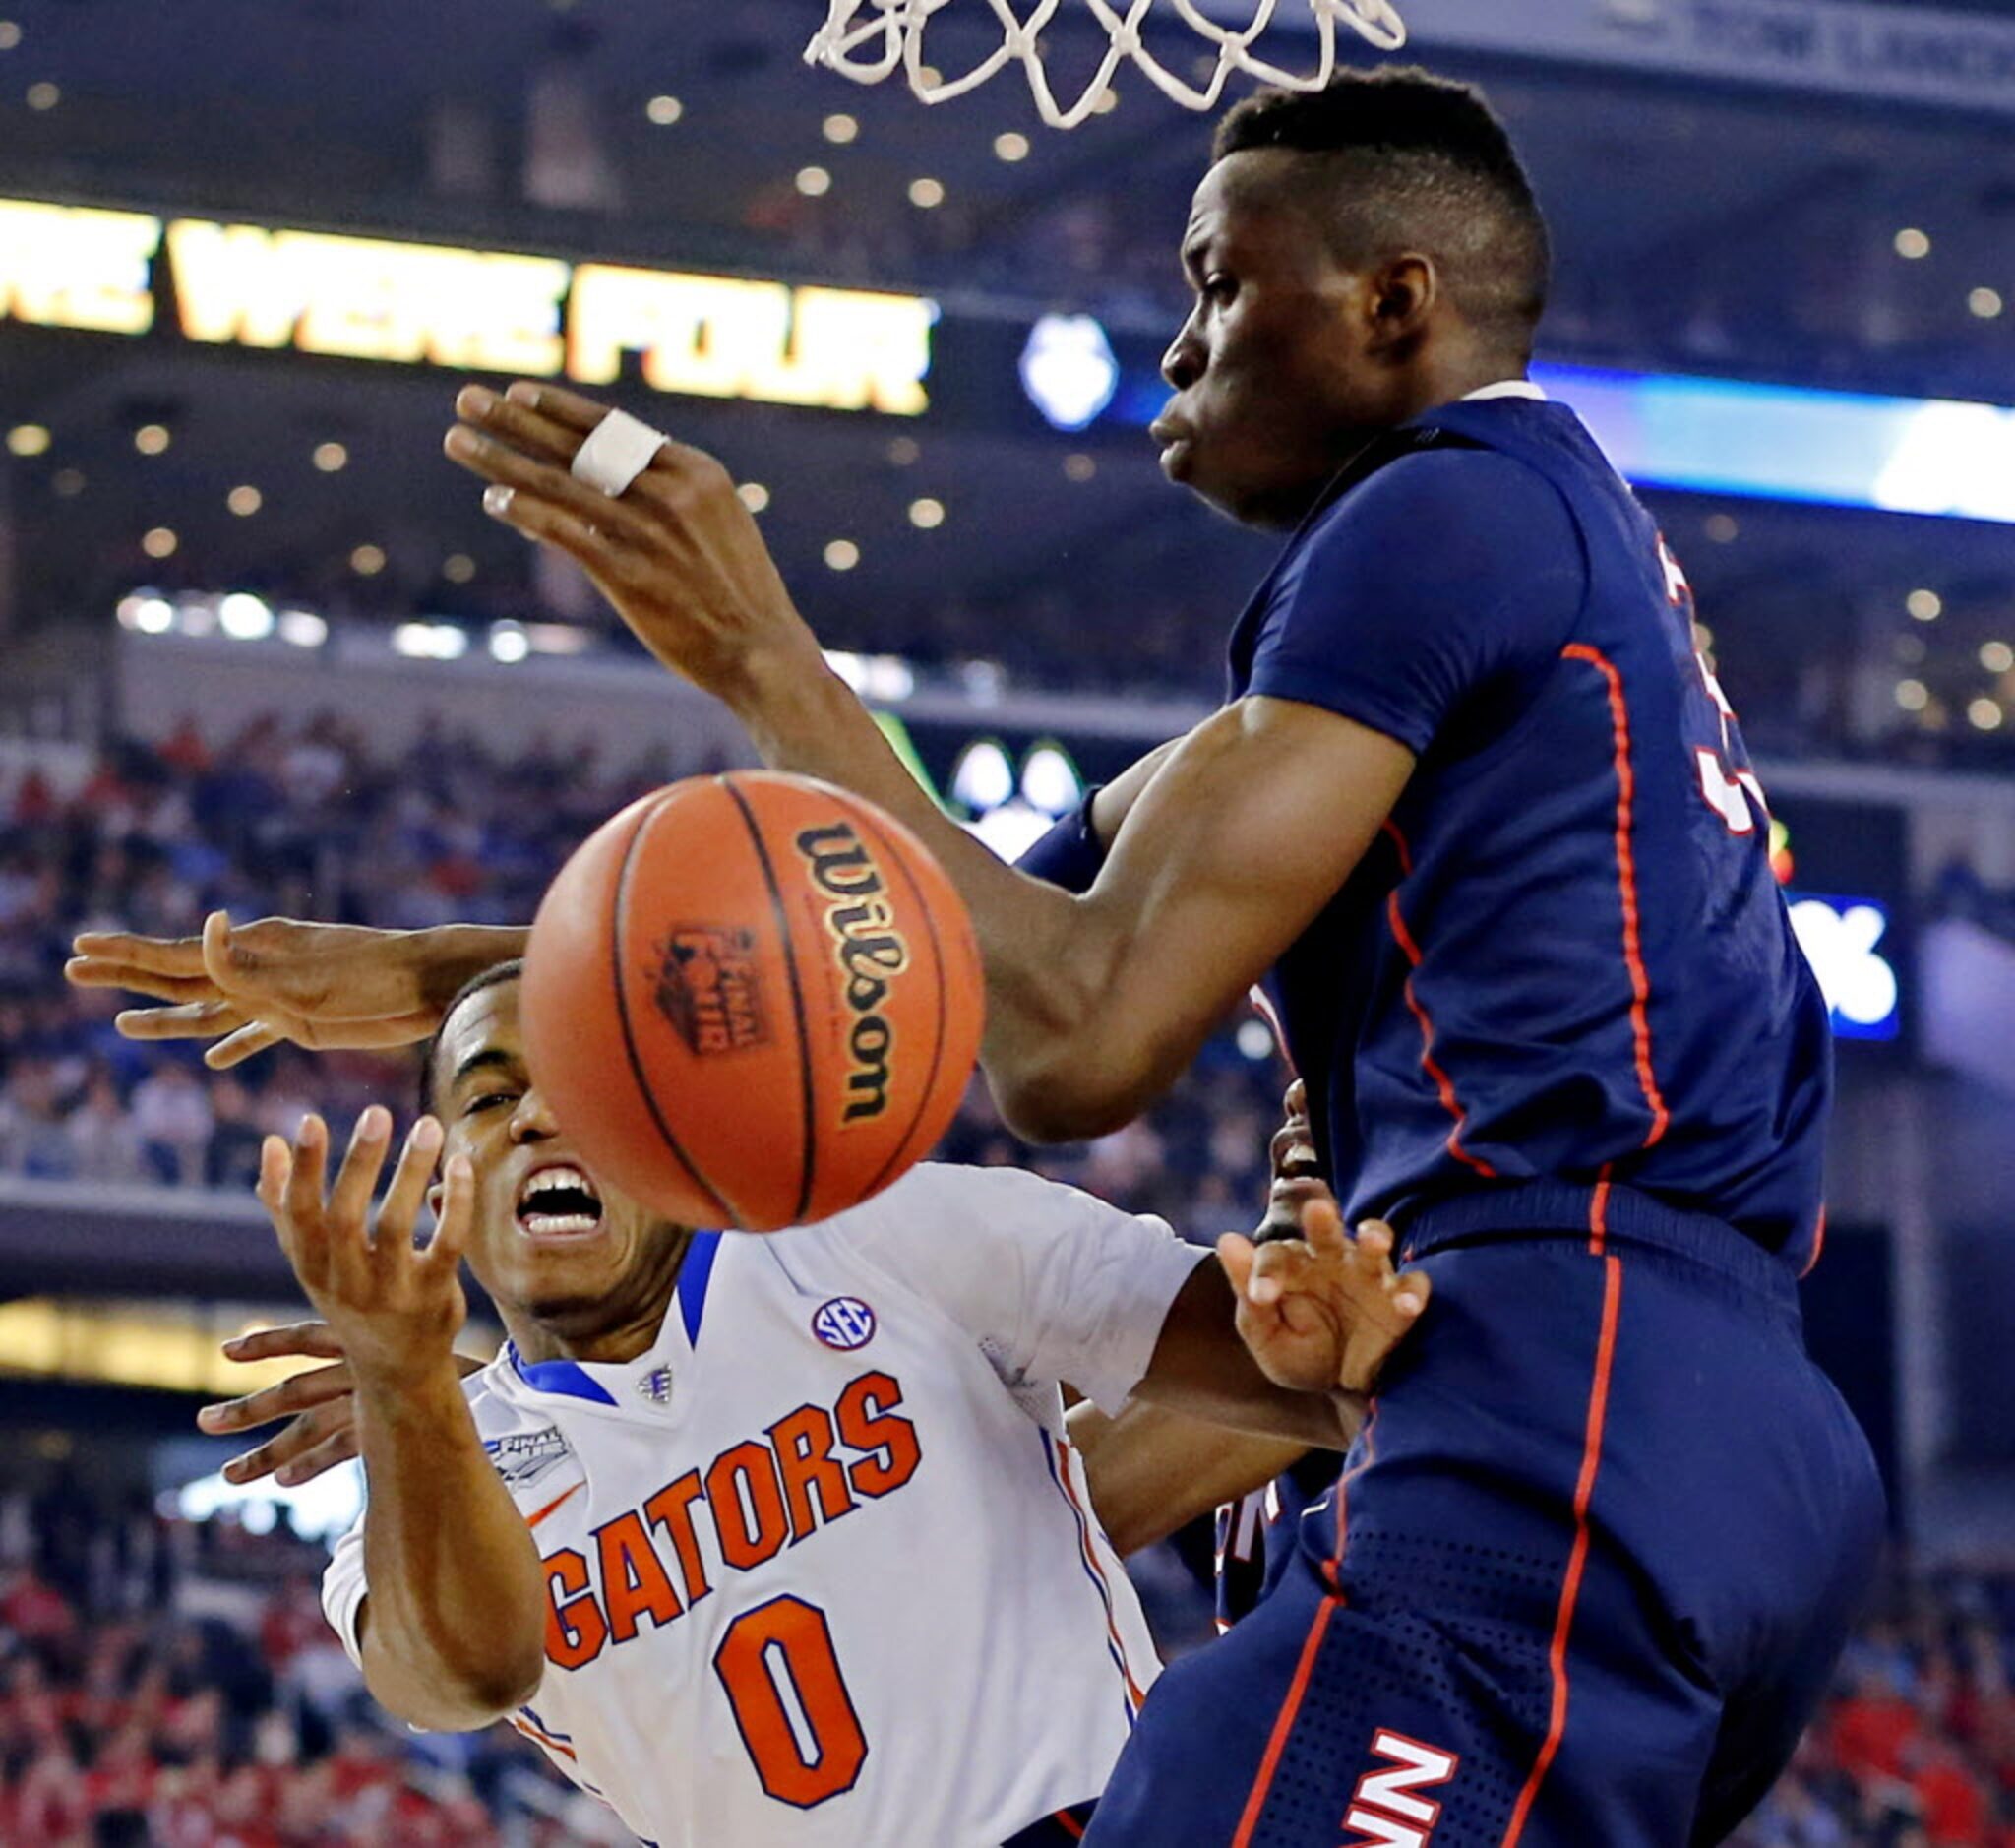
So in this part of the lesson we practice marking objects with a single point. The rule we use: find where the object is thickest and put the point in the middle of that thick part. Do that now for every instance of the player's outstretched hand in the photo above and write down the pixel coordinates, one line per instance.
(249, 986)
(392, 1308)
(1324, 1310)
(319, 1403)
(677, 553)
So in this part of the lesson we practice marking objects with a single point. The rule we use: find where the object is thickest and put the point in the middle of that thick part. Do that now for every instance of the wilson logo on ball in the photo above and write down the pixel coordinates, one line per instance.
(870, 951)
(708, 989)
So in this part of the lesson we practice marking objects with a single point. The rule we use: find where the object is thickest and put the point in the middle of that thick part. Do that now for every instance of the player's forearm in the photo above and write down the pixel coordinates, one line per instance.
(454, 1634)
(1057, 1068)
(1151, 1471)
(1202, 1371)
(449, 954)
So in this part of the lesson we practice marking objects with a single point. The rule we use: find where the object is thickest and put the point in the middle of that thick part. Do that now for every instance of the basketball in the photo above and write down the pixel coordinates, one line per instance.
(751, 999)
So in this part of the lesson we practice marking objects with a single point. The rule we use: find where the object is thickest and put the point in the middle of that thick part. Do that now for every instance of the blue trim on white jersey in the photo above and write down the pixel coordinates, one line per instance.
(565, 1376)
(694, 1275)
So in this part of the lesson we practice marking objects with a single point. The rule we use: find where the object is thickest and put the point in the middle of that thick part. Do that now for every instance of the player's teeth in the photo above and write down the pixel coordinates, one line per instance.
(560, 1223)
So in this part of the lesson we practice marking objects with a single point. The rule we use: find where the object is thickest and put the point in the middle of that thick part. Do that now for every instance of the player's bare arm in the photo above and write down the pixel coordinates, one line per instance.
(328, 987)
(1095, 1004)
(450, 1631)
(1152, 1470)
(319, 1405)
(324, 987)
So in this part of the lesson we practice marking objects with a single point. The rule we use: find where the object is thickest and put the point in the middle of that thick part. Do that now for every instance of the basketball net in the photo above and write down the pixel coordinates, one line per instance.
(869, 41)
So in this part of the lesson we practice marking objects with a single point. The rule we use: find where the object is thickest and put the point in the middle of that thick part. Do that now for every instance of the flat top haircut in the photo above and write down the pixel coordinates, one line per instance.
(494, 976)
(1414, 160)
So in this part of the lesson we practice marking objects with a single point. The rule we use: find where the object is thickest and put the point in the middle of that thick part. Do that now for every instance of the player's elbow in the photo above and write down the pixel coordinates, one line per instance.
(456, 1689)
(1068, 1097)
(507, 1684)
(458, 1702)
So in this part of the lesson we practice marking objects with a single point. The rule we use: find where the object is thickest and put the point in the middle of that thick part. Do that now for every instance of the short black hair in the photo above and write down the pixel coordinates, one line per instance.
(494, 976)
(1424, 161)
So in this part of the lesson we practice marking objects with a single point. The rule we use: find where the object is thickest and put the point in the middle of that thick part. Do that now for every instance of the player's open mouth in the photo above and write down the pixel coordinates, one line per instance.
(557, 1202)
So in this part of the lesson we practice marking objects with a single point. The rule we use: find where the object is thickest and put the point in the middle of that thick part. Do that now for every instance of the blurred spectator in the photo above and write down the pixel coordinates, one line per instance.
(104, 1139)
(174, 1119)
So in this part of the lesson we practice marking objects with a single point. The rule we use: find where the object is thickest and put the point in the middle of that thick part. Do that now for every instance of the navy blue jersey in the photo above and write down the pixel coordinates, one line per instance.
(1564, 962)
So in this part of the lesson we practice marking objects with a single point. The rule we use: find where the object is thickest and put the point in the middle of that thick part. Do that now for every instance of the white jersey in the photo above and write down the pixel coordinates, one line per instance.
(820, 1567)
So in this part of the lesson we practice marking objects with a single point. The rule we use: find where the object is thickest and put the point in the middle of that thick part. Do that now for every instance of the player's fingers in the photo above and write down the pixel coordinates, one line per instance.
(457, 1216)
(338, 1447)
(154, 955)
(300, 1447)
(311, 1341)
(252, 1465)
(568, 409)
(551, 524)
(1371, 1242)
(349, 1199)
(106, 972)
(1278, 1264)
(524, 426)
(1322, 1228)
(1410, 1292)
(275, 1166)
(300, 1393)
(308, 1171)
(522, 478)
(236, 1048)
(216, 949)
(195, 1020)
(275, 1191)
(400, 1211)
(1235, 1252)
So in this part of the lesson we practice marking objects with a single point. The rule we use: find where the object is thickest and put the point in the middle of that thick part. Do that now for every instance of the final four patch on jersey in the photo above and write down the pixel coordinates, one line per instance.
(843, 1322)
(526, 1456)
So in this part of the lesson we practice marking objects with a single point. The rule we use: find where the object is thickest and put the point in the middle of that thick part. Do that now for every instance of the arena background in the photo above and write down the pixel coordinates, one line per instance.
(262, 650)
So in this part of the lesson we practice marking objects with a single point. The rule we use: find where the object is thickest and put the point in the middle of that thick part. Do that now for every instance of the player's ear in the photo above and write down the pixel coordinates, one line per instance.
(1400, 294)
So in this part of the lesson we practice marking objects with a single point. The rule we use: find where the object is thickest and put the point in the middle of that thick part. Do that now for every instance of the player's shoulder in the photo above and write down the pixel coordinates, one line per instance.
(945, 1190)
(948, 1207)
(1424, 487)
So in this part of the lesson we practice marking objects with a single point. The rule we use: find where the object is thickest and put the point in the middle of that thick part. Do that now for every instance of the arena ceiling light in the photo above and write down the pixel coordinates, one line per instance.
(245, 617)
(303, 627)
(1067, 369)
(430, 640)
(148, 612)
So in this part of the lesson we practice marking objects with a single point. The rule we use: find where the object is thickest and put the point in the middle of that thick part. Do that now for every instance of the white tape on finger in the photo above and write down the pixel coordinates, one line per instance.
(618, 450)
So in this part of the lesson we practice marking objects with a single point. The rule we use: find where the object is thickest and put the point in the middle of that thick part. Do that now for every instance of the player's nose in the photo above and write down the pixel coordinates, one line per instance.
(532, 1121)
(1183, 365)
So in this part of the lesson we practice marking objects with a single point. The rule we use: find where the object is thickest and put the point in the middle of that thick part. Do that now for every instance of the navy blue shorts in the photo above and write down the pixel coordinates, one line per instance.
(1583, 1581)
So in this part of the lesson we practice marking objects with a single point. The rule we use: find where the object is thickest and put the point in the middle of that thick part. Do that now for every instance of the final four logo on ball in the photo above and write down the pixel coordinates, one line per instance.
(843, 1322)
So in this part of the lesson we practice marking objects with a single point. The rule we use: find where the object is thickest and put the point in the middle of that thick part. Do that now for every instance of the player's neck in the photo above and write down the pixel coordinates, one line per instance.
(1462, 368)
(612, 1329)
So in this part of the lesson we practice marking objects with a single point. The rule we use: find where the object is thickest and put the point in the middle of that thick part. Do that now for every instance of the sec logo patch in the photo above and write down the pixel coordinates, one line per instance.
(844, 1323)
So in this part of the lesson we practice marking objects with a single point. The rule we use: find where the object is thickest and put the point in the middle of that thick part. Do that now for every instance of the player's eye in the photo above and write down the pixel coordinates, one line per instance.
(1218, 288)
(487, 1100)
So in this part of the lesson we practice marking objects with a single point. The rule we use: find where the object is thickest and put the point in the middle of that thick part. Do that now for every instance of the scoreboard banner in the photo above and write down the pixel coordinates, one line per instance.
(409, 303)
